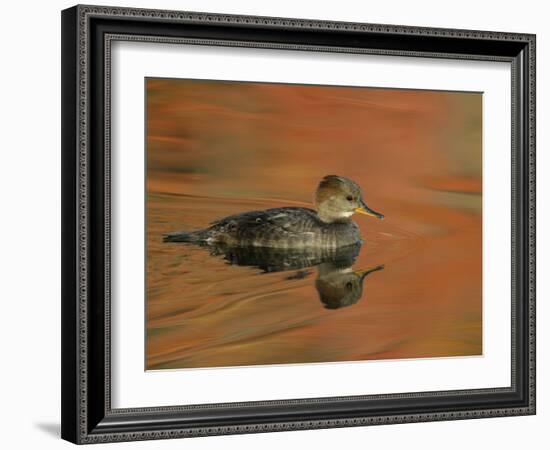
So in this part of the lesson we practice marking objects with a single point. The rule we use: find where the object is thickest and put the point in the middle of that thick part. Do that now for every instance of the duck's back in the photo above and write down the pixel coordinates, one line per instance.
(291, 227)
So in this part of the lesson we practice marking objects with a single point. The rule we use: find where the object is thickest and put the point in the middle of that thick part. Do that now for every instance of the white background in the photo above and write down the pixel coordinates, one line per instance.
(30, 235)
(133, 387)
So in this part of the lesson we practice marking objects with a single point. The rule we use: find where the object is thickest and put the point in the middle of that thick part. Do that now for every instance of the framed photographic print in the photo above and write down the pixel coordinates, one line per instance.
(276, 224)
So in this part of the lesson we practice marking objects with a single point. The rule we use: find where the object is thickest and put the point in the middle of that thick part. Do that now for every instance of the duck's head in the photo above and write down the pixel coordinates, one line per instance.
(341, 287)
(338, 198)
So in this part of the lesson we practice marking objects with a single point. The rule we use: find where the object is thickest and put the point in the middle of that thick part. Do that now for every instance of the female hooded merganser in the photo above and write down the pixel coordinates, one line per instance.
(336, 199)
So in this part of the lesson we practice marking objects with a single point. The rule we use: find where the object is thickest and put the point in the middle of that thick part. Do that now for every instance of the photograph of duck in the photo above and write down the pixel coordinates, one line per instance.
(298, 224)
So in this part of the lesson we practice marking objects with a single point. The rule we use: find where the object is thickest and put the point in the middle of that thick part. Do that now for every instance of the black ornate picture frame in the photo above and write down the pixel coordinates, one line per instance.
(87, 35)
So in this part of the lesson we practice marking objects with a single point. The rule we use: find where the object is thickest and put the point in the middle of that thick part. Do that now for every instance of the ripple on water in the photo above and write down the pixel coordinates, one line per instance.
(207, 309)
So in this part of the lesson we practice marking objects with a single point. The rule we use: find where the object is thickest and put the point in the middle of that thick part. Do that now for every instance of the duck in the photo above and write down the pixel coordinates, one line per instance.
(329, 225)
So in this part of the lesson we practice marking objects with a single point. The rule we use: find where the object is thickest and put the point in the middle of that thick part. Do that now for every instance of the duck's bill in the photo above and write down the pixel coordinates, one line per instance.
(364, 272)
(364, 209)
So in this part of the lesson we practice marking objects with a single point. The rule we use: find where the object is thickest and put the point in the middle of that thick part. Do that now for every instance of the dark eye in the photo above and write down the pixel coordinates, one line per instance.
(349, 285)
(349, 198)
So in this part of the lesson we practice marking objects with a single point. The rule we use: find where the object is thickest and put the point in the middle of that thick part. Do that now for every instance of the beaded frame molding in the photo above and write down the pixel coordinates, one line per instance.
(87, 35)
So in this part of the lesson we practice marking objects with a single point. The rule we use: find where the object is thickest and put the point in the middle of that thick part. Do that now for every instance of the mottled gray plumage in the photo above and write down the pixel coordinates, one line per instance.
(336, 199)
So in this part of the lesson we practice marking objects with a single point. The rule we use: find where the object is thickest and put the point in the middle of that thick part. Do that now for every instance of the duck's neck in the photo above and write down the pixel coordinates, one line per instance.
(328, 216)
(340, 233)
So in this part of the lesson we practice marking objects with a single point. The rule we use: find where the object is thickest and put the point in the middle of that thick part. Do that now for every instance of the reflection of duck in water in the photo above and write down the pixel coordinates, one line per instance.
(336, 200)
(340, 287)
(337, 284)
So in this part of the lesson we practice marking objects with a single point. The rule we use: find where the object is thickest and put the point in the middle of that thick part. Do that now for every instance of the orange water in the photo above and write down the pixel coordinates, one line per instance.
(215, 149)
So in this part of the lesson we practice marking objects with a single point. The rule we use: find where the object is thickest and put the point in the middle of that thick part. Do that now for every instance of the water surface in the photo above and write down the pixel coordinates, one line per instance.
(412, 290)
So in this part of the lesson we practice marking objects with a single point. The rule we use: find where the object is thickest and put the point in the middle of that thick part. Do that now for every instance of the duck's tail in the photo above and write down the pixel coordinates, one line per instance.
(186, 236)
